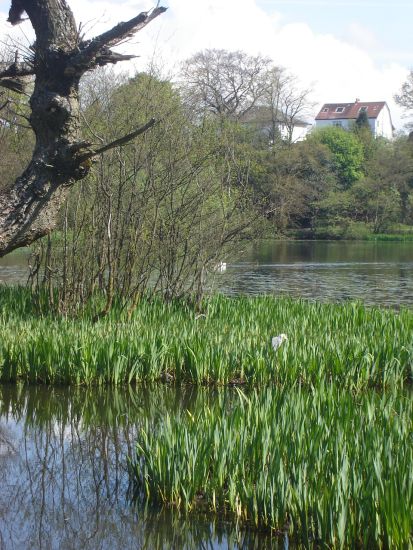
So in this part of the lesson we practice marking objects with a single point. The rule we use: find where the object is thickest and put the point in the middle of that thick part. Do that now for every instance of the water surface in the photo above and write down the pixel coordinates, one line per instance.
(377, 273)
(64, 480)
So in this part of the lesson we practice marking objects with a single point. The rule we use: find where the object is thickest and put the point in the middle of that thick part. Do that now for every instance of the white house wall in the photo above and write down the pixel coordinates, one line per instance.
(384, 125)
(299, 132)
(380, 126)
(344, 123)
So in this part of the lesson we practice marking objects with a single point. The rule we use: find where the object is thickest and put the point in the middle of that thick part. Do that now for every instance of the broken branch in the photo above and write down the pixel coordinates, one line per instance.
(15, 70)
(96, 51)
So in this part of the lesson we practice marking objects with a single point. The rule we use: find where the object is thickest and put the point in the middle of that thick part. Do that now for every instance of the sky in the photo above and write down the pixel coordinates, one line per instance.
(341, 49)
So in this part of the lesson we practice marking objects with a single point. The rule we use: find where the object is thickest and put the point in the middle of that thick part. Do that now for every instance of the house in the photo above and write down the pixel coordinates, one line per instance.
(345, 115)
(272, 124)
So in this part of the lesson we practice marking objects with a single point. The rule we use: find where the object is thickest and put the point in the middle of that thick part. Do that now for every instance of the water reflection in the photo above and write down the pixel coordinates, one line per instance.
(64, 477)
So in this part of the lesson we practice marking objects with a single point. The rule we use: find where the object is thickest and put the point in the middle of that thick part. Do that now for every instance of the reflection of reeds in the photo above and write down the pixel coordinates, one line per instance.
(347, 344)
(321, 464)
(41, 407)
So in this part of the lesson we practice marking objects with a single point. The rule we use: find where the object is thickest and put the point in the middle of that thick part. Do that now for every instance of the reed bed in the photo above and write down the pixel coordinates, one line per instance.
(321, 465)
(229, 343)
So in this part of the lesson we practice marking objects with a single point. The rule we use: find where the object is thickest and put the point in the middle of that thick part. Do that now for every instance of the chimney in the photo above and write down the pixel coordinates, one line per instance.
(357, 100)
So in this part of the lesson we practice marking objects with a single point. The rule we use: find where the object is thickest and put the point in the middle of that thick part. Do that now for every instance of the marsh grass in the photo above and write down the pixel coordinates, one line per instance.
(348, 344)
(325, 466)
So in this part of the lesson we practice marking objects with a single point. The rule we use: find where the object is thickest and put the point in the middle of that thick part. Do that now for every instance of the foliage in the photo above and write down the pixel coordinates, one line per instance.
(327, 468)
(346, 150)
(292, 181)
(230, 342)
(362, 121)
(376, 201)
(156, 214)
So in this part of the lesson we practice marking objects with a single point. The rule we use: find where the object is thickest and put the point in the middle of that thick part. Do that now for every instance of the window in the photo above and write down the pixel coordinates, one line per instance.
(325, 110)
(339, 109)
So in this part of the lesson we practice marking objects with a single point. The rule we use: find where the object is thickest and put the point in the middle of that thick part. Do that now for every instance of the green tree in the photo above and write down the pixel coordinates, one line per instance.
(389, 180)
(293, 181)
(376, 201)
(362, 121)
(347, 152)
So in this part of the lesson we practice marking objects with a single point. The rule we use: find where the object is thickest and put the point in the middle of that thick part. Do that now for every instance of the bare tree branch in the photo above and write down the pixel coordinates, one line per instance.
(16, 76)
(97, 51)
(123, 30)
(16, 69)
(118, 142)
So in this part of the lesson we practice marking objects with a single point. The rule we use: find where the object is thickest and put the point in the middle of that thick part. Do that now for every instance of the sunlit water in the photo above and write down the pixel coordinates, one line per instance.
(377, 273)
(64, 480)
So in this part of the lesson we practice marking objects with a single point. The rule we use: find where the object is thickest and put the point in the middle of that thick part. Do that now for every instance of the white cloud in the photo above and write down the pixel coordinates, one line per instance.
(336, 69)
(361, 36)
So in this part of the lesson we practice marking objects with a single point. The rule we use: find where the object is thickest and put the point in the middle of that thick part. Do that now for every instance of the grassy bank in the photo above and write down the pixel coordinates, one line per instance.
(327, 467)
(230, 342)
(354, 231)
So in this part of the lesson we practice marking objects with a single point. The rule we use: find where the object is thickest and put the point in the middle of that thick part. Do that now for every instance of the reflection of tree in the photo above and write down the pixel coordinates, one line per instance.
(169, 529)
(64, 483)
(6, 442)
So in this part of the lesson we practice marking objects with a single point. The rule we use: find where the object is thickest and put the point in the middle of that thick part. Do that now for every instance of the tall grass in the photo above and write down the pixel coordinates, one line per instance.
(323, 465)
(397, 237)
(348, 344)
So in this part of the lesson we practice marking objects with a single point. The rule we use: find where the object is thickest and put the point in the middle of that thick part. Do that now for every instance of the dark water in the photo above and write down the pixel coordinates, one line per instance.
(378, 273)
(64, 480)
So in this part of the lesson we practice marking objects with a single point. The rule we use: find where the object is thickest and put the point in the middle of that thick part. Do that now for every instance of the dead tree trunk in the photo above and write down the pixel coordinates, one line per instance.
(29, 209)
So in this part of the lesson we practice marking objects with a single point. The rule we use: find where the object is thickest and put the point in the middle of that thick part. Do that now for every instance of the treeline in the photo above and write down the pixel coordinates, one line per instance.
(339, 184)
(335, 183)
(219, 167)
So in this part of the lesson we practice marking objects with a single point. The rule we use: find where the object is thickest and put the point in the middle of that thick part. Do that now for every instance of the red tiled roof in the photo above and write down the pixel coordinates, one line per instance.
(350, 110)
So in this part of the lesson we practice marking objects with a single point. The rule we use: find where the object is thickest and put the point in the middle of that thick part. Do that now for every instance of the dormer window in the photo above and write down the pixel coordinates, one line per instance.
(339, 109)
(325, 110)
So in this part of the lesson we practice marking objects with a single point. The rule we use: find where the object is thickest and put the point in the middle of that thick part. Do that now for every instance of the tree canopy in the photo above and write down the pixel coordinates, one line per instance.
(347, 152)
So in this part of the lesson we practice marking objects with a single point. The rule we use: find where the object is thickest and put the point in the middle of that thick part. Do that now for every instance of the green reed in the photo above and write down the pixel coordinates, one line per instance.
(327, 467)
(230, 342)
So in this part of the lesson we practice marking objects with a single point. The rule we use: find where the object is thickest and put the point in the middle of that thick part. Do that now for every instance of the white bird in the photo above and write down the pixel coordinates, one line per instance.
(276, 341)
(220, 267)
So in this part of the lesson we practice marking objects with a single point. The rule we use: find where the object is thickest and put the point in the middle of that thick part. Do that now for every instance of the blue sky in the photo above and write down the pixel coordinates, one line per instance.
(387, 24)
(341, 49)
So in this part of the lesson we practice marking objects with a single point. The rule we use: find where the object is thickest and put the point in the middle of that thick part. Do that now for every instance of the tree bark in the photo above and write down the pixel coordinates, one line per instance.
(29, 209)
